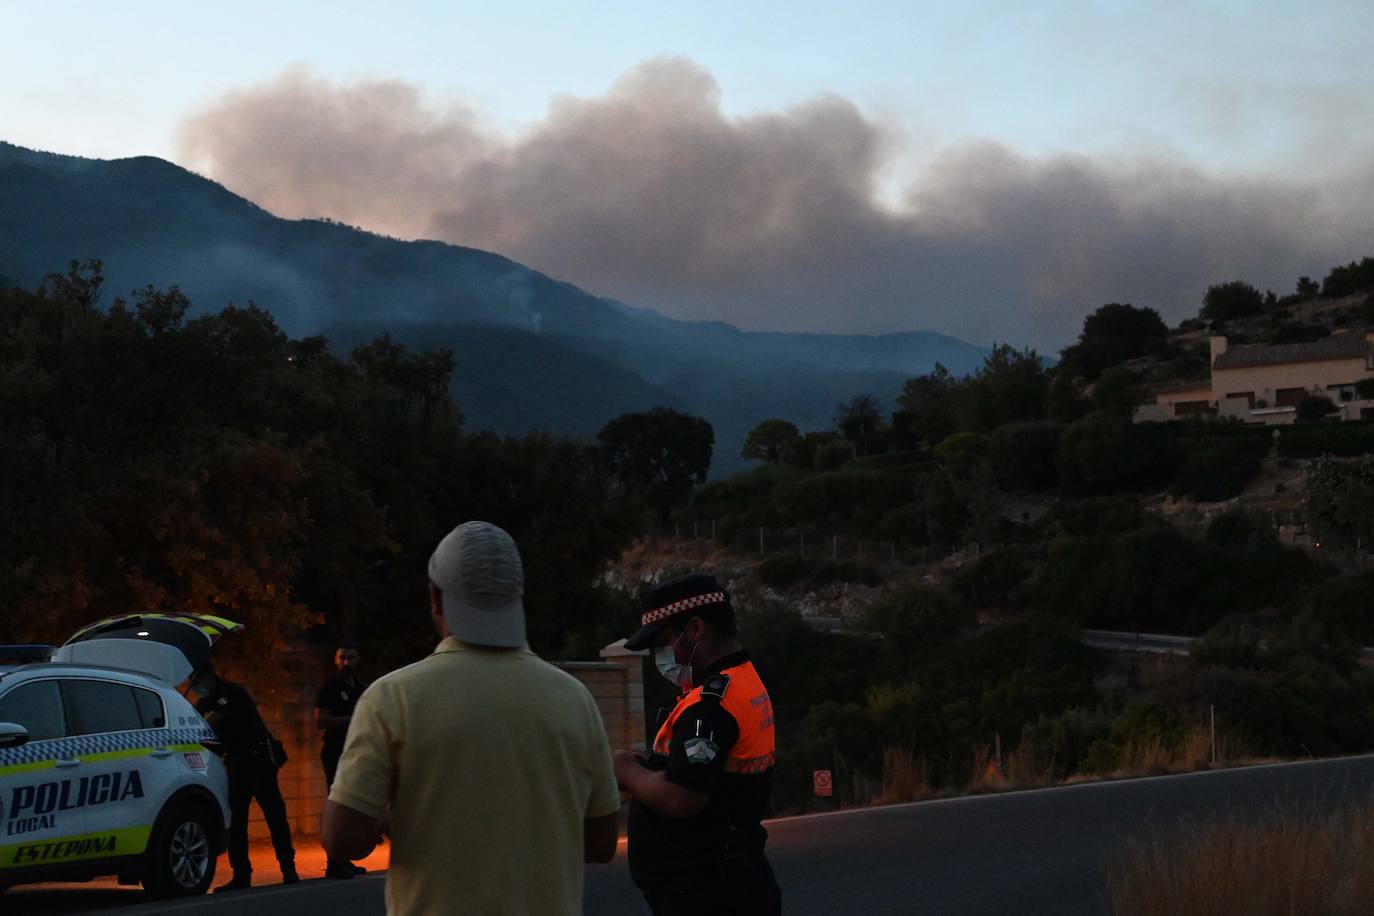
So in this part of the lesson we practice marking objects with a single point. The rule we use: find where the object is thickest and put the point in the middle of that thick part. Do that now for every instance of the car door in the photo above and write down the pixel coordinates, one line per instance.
(40, 781)
(127, 763)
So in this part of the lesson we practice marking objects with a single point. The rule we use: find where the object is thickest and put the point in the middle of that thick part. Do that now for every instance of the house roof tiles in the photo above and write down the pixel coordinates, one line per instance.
(1337, 346)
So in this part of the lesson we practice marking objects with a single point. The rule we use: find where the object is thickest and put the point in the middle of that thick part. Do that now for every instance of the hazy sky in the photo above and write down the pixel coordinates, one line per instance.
(992, 170)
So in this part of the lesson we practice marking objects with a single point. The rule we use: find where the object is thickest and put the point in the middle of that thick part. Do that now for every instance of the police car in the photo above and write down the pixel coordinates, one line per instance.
(105, 769)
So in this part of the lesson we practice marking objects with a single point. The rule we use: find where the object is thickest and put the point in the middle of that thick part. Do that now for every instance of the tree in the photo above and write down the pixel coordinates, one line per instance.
(857, 420)
(1340, 500)
(1314, 407)
(1100, 449)
(161, 462)
(1352, 278)
(660, 454)
(1227, 301)
(1113, 334)
(929, 402)
(1117, 392)
(1022, 454)
(1308, 288)
(1011, 385)
(772, 441)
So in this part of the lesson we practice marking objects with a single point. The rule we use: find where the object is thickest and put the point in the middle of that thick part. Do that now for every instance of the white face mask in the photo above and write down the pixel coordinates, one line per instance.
(665, 659)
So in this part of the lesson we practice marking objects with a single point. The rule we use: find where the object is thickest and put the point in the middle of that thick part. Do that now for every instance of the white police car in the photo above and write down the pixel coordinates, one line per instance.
(105, 769)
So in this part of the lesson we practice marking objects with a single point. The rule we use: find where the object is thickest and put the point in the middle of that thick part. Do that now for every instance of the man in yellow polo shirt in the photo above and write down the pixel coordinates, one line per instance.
(489, 767)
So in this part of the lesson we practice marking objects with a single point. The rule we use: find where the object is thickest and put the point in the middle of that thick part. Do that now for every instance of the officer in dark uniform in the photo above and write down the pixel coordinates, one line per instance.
(251, 759)
(695, 839)
(333, 710)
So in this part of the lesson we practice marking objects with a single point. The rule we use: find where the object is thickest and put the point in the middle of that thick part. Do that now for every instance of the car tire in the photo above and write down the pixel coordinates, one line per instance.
(180, 861)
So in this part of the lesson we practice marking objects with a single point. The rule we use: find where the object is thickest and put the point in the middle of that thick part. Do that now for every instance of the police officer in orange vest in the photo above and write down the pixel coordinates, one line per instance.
(695, 841)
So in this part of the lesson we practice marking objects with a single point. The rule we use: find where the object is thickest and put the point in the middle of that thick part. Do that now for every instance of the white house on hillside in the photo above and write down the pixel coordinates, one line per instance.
(1263, 384)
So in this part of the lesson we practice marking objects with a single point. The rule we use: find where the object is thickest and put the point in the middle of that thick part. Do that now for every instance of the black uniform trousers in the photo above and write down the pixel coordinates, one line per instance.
(329, 759)
(741, 885)
(255, 777)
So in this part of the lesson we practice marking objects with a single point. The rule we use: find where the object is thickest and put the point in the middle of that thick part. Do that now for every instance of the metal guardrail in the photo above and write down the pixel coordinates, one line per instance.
(1166, 645)
(1138, 642)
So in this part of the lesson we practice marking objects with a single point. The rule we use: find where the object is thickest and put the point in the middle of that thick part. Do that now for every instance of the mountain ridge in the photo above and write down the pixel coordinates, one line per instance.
(152, 222)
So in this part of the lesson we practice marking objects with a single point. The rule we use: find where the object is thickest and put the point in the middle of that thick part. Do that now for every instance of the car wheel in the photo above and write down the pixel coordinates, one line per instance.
(180, 861)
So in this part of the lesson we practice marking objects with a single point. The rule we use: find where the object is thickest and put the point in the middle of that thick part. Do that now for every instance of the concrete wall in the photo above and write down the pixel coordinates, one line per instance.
(1164, 409)
(1266, 381)
(1258, 385)
(616, 682)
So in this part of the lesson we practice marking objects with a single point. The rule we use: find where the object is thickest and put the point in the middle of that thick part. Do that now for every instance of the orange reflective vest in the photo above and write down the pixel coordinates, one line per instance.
(746, 700)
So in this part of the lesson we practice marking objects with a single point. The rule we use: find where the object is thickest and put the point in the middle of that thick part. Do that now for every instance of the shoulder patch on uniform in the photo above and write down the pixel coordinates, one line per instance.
(714, 686)
(700, 750)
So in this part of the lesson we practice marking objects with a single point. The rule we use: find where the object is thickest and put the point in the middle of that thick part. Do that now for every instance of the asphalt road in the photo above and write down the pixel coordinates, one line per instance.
(1037, 852)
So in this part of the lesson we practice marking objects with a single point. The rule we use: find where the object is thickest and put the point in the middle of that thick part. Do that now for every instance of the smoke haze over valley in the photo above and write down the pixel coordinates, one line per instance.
(652, 194)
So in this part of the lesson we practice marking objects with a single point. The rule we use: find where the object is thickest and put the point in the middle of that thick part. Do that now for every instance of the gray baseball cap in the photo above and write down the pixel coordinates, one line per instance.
(477, 568)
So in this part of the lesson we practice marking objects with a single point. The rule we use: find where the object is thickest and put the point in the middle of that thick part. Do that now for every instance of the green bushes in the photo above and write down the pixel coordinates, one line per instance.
(785, 571)
(1352, 278)
(1344, 606)
(746, 485)
(1103, 515)
(839, 498)
(831, 455)
(1218, 469)
(1343, 439)
(888, 461)
(997, 579)
(1022, 455)
(1101, 450)
(1155, 579)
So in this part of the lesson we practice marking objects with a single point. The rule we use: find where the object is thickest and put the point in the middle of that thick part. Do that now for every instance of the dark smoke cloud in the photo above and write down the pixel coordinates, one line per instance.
(652, 195)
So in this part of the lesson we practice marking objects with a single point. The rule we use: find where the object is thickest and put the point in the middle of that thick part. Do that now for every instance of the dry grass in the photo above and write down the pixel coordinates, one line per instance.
(905, 777)
(1153, 758)
(1288, 863)
(1030, 767)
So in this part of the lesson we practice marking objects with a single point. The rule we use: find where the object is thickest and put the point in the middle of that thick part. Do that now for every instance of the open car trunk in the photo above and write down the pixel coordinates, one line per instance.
(165, 646)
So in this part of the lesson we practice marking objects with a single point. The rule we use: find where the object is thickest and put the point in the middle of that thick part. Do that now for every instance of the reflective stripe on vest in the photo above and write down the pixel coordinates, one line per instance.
(746, 699)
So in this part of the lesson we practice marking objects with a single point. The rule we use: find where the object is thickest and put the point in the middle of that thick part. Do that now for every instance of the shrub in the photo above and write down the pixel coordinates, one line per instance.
(1314, 407)
(742, 486)
(961, 447)
(1093, 517)
(1352, 278)
(993, 580)
(1343, 439)
(829, 571)
(1022, 454)
(1343, 605)
(1237, 528)
(915, 620)
(904, 523)
(831, 455)
(905, 459)
(1100, 450)
(843, 498)
(1236, 299)
(784, 570)
(1218, 469)
(1298, 332)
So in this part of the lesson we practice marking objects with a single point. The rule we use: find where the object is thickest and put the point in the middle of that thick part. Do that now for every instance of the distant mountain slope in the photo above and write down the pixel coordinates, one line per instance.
(532, 352)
